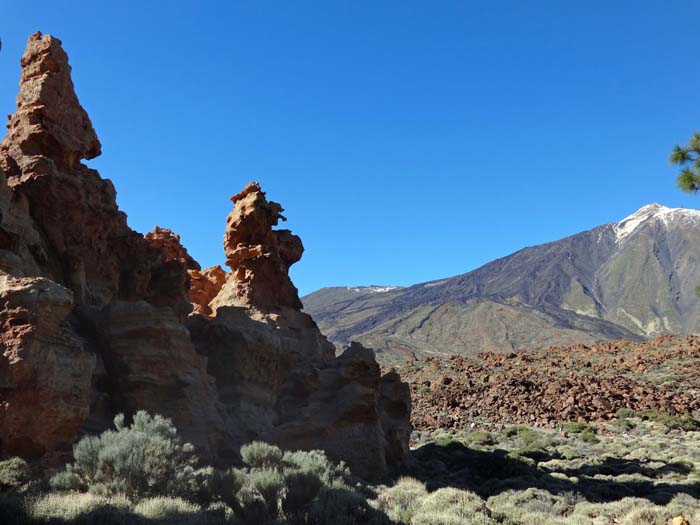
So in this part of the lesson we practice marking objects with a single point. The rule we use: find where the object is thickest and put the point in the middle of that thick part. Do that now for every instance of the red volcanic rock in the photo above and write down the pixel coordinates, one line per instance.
(95, 321)
(204, 286)
(259, 257)
(544, 387)
(277, 375)
(168, 243)
(59, 221)
(49, 121)
(45, 369)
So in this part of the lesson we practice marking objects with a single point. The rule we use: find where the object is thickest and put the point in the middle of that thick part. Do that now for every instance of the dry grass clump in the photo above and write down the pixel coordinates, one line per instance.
(79, 508)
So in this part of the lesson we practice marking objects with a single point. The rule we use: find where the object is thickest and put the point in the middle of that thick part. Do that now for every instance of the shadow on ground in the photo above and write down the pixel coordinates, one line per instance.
(488, 473)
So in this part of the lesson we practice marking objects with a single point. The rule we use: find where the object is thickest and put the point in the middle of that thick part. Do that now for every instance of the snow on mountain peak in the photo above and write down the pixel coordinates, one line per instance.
(654, 211)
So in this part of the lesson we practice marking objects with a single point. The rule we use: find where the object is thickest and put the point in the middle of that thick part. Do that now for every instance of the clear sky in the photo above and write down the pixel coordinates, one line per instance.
(407, 140)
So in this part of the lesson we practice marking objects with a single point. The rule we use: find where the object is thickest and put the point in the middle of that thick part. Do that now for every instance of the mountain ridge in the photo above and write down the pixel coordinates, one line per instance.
(631, 279)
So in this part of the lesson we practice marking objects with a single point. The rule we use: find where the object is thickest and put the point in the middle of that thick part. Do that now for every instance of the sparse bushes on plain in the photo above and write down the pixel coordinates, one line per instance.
(645, 477)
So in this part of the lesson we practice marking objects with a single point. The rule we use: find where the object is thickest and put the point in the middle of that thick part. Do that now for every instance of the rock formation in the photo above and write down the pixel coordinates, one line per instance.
(205, 285)
(259, 257)
(92, 309)
(168, 243)
(96, 317)
(277, 375)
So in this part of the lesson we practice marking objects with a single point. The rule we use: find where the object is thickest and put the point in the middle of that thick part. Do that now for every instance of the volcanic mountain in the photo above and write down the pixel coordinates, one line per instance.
(633, 279)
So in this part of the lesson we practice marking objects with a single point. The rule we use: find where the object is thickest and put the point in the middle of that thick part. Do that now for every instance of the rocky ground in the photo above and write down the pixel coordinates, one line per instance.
(543, 388)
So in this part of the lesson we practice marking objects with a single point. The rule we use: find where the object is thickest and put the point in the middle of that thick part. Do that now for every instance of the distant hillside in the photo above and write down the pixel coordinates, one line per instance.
(628, 280)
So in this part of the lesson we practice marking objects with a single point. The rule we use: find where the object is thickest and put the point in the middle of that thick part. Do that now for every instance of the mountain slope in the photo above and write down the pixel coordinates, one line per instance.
(633, 279)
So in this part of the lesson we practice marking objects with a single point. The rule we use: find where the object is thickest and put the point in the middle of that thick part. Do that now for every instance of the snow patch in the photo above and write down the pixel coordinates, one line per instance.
(372, 289)
(654, 211)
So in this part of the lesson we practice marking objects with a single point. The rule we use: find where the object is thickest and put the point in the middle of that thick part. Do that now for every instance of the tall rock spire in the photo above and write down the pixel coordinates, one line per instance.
(49, 120)
(259, 257)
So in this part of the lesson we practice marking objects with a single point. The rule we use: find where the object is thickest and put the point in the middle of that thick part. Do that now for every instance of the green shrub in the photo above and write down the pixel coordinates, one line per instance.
(13, 473)
(302, 488)
(269, 484)
(625, 413)
(343, 507)
(625, 424)
(453, 501)
(316, 462)
(402, 500)
(259, 454)
(146, 459)
(445, 440)
(588, 435)
(684, 422)
(576, 427)
(517, 503)
(479, 438)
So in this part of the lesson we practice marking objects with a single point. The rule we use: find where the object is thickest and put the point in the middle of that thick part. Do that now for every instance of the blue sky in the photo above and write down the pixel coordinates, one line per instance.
(407, 140)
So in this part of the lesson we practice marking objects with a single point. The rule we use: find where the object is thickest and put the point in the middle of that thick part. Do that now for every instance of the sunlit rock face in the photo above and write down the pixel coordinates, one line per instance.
(277, 375)
(98, 319)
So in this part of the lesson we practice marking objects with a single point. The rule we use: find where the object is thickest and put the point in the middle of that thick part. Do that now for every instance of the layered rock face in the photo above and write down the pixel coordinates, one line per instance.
(96, 318)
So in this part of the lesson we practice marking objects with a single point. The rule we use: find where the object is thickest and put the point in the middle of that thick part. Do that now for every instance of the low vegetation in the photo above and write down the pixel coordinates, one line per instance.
(645, 471)
(641, 469)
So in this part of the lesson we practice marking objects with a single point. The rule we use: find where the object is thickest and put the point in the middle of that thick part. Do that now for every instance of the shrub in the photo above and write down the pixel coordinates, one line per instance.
(259, 454)
(576, 427)
(343, 507)
(302, 488)
(531, 500)
(402, 500)
(449, 506)
(684, 422)
(589, 435)
(13, 473)
(316, 462)
(146, 459)
(269, 484)
(625, 413)
(479, 438)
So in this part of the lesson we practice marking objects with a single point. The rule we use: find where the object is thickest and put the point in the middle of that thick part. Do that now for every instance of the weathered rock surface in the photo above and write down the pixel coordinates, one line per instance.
(545, 387)
(276, 374)
(45, 369)
(86, 284)
(259, 257)
(96, 317)
(205, 285)
(168, 243)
